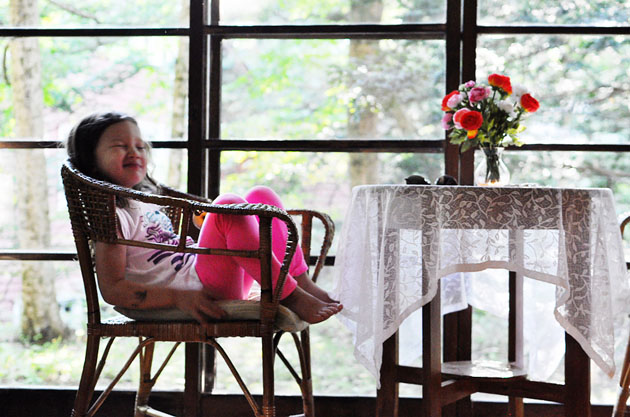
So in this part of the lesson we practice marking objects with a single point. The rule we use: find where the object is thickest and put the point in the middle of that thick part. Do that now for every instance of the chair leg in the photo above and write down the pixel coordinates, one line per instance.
(146, 382)
(306, 385)
(248, 396)
(516, 408)
(624, 383)
(268, 355)
(304, 379)
(88, 376)
(620, 406)
(193, 381)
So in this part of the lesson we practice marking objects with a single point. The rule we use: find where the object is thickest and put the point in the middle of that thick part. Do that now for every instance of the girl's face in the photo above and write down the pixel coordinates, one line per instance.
(121, 154)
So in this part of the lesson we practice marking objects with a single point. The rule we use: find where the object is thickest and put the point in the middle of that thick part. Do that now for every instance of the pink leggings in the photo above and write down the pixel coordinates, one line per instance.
(231, 277)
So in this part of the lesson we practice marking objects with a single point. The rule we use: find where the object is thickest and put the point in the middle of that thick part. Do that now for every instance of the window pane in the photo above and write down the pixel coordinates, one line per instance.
(580, 81)
(49, 200)
(564, 12)
(84, 75)
(59, 363)
(327, 89)
(573, 169)
(322, 181)
(170, 167)
(94, 13)
(313, 12)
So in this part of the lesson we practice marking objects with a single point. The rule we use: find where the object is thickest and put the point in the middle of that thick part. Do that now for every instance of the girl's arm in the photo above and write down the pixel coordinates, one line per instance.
(110, 262)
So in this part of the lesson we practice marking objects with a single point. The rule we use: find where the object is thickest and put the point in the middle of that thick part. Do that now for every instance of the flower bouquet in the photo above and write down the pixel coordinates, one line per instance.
(487, 117)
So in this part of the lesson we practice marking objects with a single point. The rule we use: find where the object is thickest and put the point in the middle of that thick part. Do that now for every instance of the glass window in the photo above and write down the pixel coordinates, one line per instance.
(328, 89)
(563, 12)
(322, 181)
(290, 89)
(80, 76)
(170, 167)
(573, 169)
(314, 12)
(94, 13)
(47, 192)
(580, 81)
(60, 361)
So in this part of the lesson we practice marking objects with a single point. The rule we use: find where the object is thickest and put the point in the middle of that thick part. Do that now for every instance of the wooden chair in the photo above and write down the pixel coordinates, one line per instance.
(91, 205)
(619, 409)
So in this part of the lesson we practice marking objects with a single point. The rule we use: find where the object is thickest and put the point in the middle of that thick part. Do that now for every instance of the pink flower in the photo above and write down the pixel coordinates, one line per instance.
(447, 121)
(469, 84)
(478, 94)
(446, 98)
(454, 100)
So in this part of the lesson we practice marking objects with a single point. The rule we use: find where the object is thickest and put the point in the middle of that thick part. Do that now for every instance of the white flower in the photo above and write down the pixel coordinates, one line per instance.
(507, 106)
(517, 91)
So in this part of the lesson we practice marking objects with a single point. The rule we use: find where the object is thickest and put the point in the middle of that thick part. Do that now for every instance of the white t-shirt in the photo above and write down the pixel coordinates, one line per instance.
(146, 222)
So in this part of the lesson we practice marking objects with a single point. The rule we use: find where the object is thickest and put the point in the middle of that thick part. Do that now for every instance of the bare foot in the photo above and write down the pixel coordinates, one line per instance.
(309, 308)
(305, 282)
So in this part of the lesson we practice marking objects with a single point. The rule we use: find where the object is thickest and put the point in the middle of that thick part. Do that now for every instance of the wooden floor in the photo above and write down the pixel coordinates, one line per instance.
(33, 402)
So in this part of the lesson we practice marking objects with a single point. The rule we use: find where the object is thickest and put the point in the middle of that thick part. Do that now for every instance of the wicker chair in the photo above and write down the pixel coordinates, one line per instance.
(91, 205)
(619, 409)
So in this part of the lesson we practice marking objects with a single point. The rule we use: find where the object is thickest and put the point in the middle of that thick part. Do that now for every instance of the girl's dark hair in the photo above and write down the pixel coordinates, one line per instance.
(83, 139)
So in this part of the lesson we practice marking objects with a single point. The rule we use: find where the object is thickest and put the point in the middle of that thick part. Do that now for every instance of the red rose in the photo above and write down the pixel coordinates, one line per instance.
(501, 81)
(471, 120)
(445, 100)
(529, 103)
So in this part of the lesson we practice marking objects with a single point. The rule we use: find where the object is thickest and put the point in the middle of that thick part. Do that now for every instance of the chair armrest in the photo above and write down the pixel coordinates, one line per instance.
(307, 217)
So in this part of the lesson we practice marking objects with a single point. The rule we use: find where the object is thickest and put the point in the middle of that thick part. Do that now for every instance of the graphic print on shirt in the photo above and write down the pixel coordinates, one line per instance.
(159, 229)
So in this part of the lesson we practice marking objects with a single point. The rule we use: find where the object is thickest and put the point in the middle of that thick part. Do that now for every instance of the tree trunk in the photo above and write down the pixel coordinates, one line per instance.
(363, 167)
(180, 100)
(41, 321)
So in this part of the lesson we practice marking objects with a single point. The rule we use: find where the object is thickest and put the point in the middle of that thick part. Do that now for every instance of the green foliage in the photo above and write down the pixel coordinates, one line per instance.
(581, 12)
(127, 13)
(77, 70)
(311, 11)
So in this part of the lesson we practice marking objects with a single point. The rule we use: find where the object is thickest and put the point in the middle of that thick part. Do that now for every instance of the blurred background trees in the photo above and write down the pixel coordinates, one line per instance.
(287, 89)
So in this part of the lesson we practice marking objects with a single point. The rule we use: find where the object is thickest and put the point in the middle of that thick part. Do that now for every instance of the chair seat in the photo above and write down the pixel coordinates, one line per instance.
(237, 310)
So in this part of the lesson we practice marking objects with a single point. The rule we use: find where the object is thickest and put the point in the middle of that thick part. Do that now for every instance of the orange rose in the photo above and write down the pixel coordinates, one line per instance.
(501, 81)
(471, 120)
(529, 103)
(445, 100)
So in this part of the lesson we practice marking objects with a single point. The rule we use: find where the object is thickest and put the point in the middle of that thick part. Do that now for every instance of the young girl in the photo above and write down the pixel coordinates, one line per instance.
(110, 147)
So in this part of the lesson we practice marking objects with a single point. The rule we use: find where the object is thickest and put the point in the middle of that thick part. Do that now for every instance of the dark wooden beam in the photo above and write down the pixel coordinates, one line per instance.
(344, 31)
(55, 401)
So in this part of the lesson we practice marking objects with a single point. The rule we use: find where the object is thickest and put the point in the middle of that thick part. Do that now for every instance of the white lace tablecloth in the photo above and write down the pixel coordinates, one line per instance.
(397, 241)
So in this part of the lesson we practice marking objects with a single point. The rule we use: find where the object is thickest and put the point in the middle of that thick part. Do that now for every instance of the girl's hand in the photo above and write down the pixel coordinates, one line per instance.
(116, 290)
(199, 304)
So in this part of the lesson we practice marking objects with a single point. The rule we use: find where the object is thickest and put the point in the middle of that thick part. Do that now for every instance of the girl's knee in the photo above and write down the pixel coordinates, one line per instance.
(264, 195)
(229, 198)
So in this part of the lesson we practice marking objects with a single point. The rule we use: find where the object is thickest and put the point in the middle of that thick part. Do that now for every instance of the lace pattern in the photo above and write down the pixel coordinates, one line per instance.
(398, 240)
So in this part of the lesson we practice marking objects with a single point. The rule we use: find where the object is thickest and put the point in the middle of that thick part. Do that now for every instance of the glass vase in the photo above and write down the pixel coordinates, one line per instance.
(491, 170)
